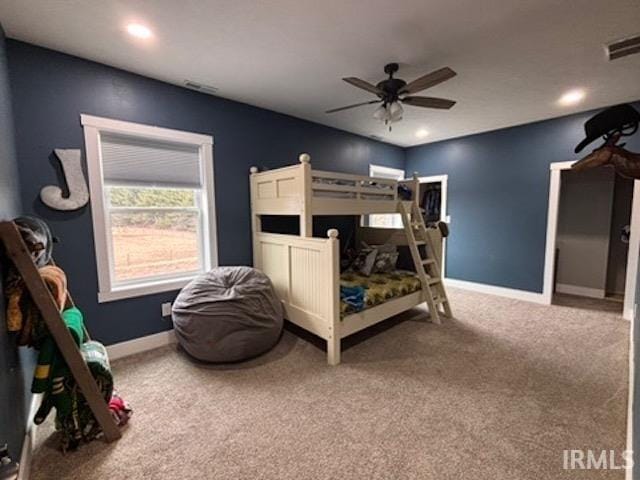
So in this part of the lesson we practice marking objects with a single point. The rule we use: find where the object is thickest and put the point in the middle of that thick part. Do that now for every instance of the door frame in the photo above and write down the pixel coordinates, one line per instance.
(444, 213)
(556, 169)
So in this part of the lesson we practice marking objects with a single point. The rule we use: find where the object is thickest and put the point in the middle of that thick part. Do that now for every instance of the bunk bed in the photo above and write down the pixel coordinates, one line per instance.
(305, 270)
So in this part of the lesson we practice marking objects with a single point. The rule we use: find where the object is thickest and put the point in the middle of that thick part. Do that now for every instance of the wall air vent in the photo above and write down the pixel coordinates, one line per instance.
(622, 48)
(199, 87)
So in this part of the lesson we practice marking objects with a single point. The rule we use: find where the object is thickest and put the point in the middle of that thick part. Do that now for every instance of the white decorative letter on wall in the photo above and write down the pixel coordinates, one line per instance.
(78, 197)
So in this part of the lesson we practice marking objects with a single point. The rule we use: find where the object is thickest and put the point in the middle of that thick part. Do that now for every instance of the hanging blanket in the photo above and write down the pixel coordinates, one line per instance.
(22, 314)
(74, 418)
(51, 365)
(81, 425)
(52, 376)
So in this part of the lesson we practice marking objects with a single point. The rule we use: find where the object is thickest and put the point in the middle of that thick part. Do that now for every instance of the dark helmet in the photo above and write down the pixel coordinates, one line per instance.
(37, 236)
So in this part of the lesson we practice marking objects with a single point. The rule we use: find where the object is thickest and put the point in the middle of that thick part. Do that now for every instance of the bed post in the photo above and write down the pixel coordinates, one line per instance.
(415, 187)
(256, 222)
(333, 340)
(306, 220)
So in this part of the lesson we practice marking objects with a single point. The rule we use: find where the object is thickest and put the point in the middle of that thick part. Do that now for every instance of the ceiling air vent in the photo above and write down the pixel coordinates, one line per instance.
(622, 48)
(199, 87)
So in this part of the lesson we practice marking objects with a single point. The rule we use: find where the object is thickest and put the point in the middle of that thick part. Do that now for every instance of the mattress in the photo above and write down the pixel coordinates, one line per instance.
(378, 287)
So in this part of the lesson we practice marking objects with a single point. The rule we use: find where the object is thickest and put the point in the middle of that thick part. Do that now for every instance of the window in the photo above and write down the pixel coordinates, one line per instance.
(152, 204)
(392, 220)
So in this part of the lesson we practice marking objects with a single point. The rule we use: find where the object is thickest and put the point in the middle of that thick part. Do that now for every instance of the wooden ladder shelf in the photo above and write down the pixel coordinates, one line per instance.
(17, 252)
(428, 266)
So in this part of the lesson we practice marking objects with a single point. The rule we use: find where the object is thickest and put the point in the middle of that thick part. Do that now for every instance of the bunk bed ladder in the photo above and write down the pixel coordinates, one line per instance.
(427, 266)
(16, 251)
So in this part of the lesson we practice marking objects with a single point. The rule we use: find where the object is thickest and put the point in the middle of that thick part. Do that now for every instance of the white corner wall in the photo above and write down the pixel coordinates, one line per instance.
(584, 224)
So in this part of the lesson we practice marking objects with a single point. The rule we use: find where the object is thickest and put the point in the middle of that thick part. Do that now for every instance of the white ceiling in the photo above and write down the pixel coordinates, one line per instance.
(513, 58)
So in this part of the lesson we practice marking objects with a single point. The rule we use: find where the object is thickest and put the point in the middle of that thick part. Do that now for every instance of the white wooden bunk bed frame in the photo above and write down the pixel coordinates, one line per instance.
(305, 271)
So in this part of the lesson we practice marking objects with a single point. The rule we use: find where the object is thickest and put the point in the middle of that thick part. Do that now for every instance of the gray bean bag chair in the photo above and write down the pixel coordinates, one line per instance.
(227, 315)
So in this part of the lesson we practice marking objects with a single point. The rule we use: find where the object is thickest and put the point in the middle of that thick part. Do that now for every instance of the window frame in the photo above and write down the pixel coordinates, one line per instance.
(108, 290)
(376, 169)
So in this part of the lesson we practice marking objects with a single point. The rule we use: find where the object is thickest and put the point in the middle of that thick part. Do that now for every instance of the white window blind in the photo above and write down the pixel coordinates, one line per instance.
(141, 161)
(152, 204)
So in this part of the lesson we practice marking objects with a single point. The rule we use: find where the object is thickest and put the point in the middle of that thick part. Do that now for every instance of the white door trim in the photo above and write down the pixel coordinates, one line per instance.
(630, 394)
(444, 213)
(552, 229)
(632, 258)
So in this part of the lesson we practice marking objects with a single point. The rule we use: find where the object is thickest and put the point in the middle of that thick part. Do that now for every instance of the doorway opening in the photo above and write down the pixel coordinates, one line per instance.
(432, 199)
(593, 225)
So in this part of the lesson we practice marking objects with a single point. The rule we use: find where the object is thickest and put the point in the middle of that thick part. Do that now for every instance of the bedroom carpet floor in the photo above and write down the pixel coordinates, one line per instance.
(497, 393)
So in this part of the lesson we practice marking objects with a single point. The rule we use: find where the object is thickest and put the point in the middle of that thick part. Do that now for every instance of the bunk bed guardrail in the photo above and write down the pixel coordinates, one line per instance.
(301, 190)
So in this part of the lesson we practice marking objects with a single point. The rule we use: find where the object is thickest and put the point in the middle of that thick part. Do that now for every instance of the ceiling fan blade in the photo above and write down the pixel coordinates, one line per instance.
(429, 102)
(428, 80)
(356, 82)
(352, 106)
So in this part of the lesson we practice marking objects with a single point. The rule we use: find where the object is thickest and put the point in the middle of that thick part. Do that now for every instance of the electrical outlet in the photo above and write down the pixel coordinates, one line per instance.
(166, 309)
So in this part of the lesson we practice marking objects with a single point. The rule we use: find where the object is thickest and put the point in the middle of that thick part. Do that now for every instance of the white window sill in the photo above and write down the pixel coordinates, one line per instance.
(142, 289)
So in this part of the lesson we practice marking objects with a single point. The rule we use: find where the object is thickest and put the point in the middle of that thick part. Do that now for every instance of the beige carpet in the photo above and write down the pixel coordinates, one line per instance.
(610, 305)
(497, 393)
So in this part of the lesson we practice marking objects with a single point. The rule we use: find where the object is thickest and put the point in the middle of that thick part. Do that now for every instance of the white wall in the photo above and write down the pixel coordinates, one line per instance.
(584, 222)
(618, 250)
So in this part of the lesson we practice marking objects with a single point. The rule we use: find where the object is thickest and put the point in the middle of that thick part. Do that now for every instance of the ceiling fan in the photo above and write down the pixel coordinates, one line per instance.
(392, 92)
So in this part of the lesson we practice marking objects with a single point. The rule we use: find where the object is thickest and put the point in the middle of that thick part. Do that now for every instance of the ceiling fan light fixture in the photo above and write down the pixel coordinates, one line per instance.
(395, 111)
(389, 113)
(380, 113)
(389, 91)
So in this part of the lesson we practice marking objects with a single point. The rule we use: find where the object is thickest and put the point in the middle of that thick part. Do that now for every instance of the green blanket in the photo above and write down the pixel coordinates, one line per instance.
(50, 361)
(74, 418)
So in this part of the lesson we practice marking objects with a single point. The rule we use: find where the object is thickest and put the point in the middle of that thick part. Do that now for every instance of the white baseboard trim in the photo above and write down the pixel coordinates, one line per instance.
(142, 344)
(499, 291)
(581, 291)
(29, 442)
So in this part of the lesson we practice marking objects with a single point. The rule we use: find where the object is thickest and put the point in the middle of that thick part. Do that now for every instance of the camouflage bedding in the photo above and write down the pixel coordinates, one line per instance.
(379, 287)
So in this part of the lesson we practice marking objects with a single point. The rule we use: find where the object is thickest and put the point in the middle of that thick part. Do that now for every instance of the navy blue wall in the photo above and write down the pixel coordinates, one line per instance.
(498, 191)
(16, 364)
(51, 90)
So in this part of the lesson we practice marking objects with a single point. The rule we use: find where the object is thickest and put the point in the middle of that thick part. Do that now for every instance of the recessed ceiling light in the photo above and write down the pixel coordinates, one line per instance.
(572, 97)
(422, 133)
(138, 30)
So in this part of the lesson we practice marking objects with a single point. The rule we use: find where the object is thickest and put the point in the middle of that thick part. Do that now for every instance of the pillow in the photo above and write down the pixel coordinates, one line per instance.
(386, 259)
(385, 262)
(364, 261)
